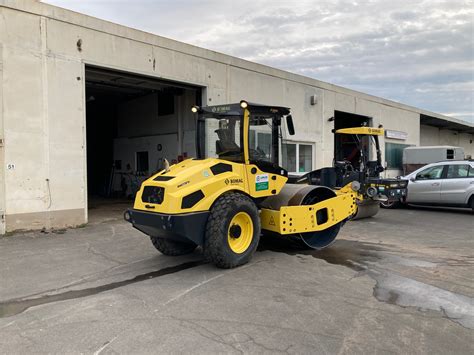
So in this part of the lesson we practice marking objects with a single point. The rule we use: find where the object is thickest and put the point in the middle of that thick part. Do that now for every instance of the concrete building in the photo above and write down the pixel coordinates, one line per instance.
(84, 102)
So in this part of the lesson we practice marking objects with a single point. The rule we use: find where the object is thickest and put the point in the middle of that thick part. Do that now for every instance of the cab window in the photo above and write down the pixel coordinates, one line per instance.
(457, 171)
(431, 173)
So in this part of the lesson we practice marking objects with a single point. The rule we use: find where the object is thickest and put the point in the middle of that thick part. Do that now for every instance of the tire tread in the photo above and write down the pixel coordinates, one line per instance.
(172, 248)
(216, 229)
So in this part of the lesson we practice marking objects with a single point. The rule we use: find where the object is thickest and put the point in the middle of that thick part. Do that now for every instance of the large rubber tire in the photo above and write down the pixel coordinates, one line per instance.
(218, 243)
(171, 247)
(472, 203)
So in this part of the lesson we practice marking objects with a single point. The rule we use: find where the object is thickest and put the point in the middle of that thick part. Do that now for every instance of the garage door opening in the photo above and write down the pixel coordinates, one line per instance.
(345, 145)
(133, 123)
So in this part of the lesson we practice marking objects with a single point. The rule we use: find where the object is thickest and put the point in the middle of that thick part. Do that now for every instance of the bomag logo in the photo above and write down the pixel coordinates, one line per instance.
(220, 109)
(234, 181)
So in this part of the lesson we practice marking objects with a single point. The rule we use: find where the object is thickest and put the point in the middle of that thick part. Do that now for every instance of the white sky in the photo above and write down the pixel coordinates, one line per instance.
(417, 52)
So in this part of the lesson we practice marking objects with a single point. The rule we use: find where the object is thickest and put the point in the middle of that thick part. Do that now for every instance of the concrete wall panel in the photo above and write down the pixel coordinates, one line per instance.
(20, 29)
(467, 142)
(325, 155)
(65, 136)
(98, 47)
(254, 87)
(429, 135)
(175, 65)
(306, 117)
(2, 148)
(24, 129)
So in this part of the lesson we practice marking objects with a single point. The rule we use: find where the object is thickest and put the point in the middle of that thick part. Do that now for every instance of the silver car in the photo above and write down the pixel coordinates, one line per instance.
(449, 183)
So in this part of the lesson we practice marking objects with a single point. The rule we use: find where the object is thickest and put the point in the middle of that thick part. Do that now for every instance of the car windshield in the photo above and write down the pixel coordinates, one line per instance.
(220, 136)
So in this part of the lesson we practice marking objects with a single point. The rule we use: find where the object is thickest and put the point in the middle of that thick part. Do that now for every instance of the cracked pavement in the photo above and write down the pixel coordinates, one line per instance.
(398, 282)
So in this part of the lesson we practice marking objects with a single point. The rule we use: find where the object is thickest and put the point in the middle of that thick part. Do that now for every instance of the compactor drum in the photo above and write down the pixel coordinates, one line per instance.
(234, 189)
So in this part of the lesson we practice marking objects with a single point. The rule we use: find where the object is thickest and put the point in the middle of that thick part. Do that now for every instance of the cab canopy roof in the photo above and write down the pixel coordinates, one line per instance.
(235, 109)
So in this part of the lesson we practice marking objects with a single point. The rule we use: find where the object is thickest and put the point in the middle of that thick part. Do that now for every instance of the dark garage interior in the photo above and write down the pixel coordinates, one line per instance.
(125, 115)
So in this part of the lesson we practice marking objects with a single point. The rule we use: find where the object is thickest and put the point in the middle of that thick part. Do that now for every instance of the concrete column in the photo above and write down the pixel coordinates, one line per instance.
(2, 152)
(179, 110)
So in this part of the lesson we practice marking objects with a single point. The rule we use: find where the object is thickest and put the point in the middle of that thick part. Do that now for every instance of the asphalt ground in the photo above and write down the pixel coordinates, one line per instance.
(400, 282)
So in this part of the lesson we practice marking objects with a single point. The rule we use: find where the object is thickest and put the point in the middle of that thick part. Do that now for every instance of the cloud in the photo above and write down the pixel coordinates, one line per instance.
(420, 53)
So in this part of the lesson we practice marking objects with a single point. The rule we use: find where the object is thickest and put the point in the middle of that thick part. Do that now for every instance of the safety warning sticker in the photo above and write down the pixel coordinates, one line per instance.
(272, 221)
(261, 182)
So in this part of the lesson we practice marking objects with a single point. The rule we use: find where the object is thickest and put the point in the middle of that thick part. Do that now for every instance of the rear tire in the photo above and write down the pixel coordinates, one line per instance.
(171, 247)
(232, 231)
(472, 203)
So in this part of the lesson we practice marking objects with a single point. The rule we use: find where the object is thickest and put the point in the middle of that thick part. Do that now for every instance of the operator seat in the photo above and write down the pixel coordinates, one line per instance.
(225, 144)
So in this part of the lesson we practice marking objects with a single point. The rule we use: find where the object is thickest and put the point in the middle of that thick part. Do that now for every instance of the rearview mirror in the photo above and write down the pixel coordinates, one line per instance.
(289, 124)
(412, 179)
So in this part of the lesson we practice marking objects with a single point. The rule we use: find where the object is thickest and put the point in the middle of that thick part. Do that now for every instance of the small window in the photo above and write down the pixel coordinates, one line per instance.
(457, 171)
(450, 154)
(297, 157)
(142, 161)
(431, 173)
(305, 158)
(288, 154)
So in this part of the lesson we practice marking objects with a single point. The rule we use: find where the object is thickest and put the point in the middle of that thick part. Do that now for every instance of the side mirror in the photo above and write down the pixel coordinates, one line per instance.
(413, 179)
(289, 124)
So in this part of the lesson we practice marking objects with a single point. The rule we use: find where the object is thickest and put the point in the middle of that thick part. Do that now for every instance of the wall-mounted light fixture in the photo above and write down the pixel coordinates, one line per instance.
(79, 45)
(380, 125)
(314, 100)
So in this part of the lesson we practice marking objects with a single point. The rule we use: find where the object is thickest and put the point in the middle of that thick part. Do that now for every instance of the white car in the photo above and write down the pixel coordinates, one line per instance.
(449, 183)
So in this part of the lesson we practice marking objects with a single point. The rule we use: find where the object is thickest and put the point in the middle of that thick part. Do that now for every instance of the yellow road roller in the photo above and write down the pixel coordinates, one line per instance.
(234, 189)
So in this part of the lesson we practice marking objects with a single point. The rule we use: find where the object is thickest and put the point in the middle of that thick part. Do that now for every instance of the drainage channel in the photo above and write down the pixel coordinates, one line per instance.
(13, 307)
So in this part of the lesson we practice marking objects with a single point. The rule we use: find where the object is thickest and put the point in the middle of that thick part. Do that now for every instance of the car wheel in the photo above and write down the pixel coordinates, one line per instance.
(390, 204)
